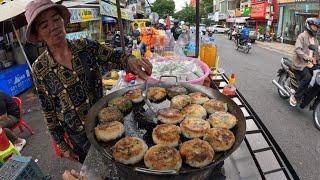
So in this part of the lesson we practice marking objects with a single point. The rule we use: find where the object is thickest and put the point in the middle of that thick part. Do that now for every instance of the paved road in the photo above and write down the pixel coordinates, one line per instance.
(292, 128)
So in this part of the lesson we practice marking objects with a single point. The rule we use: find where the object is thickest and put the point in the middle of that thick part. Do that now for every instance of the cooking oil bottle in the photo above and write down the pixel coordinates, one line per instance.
(230, 89)
(135, 49)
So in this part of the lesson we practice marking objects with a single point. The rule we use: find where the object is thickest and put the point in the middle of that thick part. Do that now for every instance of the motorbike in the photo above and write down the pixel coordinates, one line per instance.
(116, 41)
(243, 45)
(288, 83)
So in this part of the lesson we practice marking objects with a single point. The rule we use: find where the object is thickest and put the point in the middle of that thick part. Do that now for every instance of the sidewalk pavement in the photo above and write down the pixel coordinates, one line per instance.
(39, 146)
(282, 48)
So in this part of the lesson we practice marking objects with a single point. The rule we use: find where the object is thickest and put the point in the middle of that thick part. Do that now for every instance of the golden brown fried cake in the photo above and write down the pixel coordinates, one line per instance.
(222, 119)
(198, 153)
(214, 105)
(156, 94)
(195, 110)
(180, 101)
(221, 139)
(198, 97)
(109, 131)
(129, 150)
(170, 116)
(135, 95)
(109, 114)
(176, 90)
(122, 103)
(166, 134)
(162, 157)
(193, 127)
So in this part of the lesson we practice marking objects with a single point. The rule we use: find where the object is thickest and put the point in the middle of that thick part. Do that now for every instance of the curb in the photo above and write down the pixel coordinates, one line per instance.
(262, 45)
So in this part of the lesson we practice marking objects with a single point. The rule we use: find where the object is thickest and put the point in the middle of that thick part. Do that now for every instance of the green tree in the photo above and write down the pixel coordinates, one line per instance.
(187, 14)
(163, 7)
(206, 6)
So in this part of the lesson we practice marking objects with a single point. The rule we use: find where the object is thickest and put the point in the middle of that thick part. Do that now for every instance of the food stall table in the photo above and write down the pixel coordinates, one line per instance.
(258, 157)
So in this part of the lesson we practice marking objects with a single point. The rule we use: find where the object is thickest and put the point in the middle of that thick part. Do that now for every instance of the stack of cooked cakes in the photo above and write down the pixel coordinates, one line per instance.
(193, 115)
(110, 118)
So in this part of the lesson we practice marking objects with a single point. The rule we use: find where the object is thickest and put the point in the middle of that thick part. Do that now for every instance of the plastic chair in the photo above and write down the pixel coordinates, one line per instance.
(21, 120)
(4, 155)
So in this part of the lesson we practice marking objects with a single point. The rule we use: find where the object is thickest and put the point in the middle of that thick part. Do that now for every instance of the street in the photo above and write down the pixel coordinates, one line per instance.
(292, 128)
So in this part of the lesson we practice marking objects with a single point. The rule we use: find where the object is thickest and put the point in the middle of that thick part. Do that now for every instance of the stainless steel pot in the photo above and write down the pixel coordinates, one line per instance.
(139, 171)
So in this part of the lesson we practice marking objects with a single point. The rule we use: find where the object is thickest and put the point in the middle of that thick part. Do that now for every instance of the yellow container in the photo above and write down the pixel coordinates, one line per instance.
(208, 54)
(136, 53)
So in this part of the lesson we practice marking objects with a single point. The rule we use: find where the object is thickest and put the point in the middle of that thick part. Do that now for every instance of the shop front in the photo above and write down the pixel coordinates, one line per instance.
(264, 16)
(293, 16)
(84, 23)
(111, 23)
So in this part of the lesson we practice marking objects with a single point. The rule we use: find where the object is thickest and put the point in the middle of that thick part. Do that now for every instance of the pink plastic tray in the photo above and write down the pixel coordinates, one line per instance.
(198, 81)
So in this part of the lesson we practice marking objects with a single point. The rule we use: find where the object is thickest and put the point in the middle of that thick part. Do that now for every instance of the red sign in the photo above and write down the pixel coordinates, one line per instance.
(258, 11)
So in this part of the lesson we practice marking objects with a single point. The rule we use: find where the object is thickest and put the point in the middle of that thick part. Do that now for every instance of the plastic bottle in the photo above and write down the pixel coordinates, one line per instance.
(192, 45)
(230, 89)
(135, 49)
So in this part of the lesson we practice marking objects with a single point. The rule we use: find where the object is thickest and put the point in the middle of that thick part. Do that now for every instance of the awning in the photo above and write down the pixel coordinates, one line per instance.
(107, 19)
(79, 3)
(237, 20)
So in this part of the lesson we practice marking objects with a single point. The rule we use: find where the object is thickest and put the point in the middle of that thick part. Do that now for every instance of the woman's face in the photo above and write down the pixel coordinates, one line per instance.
(314, 27)
(49, 26)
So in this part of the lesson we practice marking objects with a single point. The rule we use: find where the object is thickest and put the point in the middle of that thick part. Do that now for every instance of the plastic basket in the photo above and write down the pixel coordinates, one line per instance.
(21, 168)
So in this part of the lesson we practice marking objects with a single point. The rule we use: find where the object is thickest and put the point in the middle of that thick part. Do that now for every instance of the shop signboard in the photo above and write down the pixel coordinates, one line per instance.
(83, 14)
(258, 11)
(111, 10)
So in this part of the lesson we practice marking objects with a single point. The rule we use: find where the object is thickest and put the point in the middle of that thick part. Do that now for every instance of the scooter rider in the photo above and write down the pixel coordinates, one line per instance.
(176, 30)
(304, 58)
(244, 34)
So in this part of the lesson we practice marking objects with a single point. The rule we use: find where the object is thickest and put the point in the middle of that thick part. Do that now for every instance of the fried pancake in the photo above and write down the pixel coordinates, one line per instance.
(109, 114)
(221, 139)
(166, 134)
(162, 157)
(170, 116)
(198, 97)
(109, 131)
(176, 90)
(193, 127)
(198, 153)
(180, 101)
(222, 119)
(214, 105)
(122, 103)
(195, 110)
(129, 150)
(135, 95)
(156, 94)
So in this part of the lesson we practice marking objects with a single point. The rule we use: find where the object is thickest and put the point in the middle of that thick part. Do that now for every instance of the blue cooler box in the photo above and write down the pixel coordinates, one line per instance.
(15, 79)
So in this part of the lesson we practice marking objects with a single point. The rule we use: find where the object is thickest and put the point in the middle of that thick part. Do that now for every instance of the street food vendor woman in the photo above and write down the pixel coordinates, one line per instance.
(67, 75)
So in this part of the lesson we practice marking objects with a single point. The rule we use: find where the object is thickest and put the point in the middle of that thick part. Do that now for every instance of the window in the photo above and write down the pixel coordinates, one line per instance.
(231, 5)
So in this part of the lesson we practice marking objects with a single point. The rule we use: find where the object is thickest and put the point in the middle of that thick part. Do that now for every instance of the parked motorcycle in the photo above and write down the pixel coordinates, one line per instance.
(243, 45)
(287, 85)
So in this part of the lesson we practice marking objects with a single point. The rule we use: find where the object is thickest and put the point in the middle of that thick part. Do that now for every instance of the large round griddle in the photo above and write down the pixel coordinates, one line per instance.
(105, 148)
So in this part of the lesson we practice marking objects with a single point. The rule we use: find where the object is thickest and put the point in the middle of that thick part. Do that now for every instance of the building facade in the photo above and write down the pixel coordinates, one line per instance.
(292, 15)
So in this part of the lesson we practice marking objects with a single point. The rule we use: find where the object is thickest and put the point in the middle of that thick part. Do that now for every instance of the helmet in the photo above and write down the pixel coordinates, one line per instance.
(161, 21)
(176, 22)
(308, 23)
(182, 23)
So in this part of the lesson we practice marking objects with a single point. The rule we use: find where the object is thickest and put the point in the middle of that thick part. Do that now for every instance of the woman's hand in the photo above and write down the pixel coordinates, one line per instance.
(141, 67)
(72, 175)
